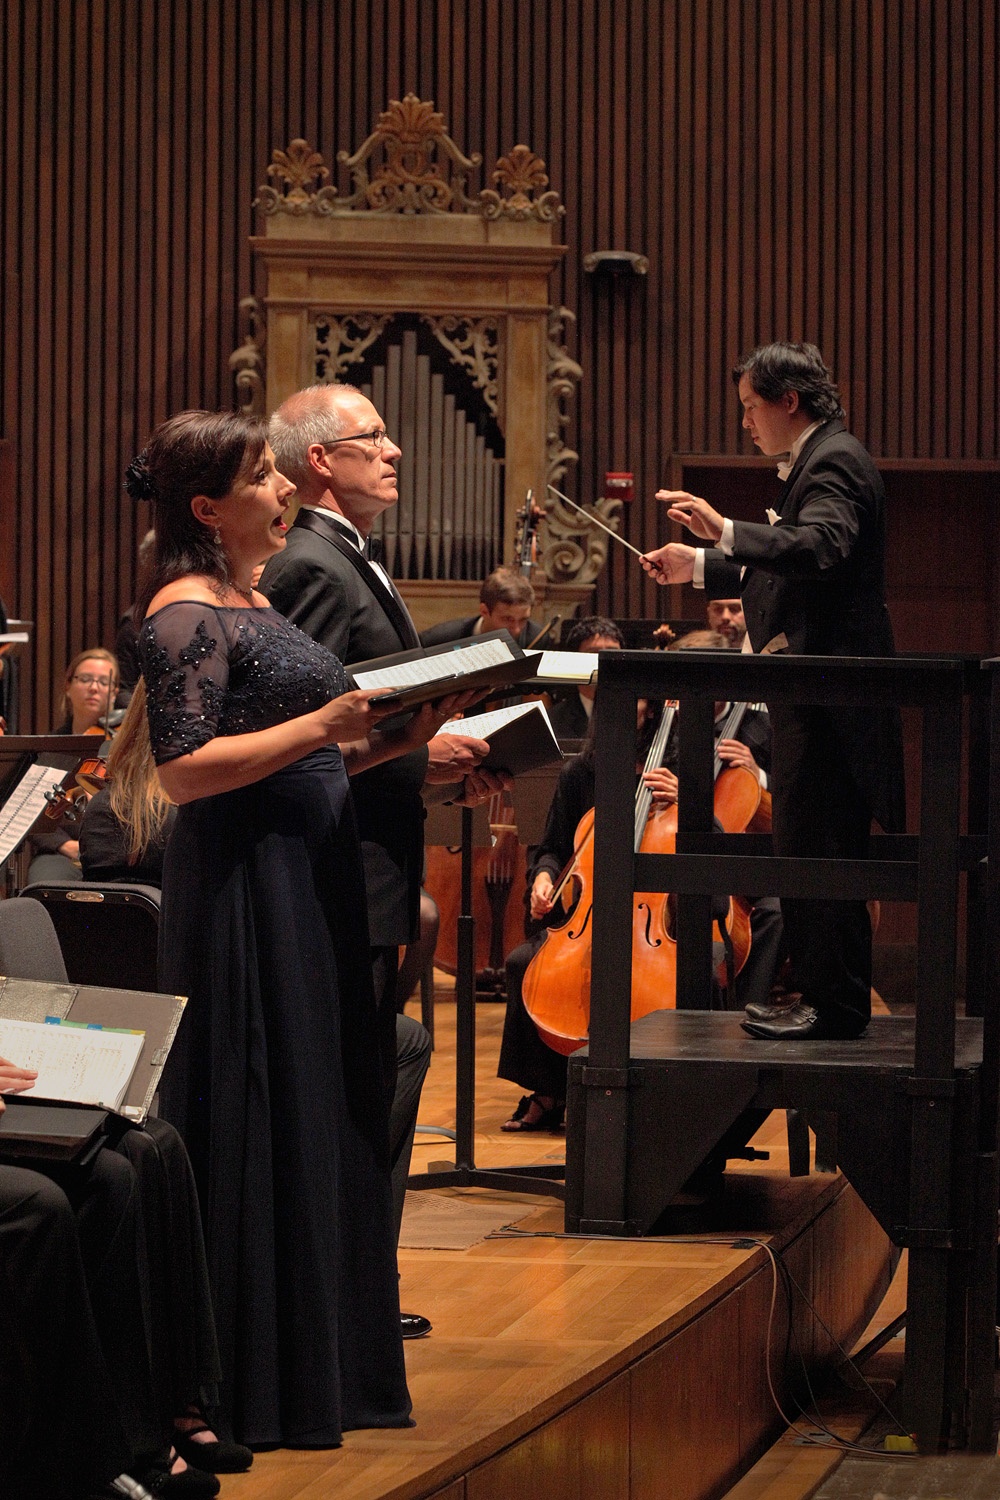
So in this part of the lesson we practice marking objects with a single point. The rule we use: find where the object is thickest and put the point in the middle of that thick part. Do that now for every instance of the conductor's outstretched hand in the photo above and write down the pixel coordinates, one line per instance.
(693, 512)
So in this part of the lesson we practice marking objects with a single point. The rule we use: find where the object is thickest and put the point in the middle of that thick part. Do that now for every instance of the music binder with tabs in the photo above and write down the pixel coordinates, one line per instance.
(49, 1128)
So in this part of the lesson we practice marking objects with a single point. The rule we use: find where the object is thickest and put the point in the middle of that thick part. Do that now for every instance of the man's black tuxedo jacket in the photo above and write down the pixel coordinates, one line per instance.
(818, 577)
(325, 587)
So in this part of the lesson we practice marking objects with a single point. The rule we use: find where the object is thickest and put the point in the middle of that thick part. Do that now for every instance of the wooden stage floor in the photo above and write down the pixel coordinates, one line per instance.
(566, 1368)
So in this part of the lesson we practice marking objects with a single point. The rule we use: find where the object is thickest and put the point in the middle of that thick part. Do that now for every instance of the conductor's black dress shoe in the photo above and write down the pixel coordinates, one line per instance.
(414, 1326)
(803, 1023)
(771, 1010)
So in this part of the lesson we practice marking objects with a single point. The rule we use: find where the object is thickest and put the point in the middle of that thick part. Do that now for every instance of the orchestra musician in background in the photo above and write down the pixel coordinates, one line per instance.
(725, 617)
(571, 711)
(88, 698)
(505, 603)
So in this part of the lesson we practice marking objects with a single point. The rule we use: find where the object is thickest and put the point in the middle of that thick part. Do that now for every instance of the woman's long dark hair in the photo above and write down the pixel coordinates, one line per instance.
(194, 453)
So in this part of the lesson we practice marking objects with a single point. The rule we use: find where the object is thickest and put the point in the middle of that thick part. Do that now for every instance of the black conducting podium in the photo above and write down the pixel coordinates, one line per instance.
(915, 1100)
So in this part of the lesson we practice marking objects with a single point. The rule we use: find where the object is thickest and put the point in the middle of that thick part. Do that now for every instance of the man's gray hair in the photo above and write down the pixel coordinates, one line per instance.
(307, 417)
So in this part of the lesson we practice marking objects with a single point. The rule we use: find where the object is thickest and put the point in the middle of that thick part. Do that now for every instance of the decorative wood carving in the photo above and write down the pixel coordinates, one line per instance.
(296, 168)
(570, 550)
(423, 171)
(474, 345)
(247, 362)
(342, 341)
(519, 175)
(564, 375)
(343, 264)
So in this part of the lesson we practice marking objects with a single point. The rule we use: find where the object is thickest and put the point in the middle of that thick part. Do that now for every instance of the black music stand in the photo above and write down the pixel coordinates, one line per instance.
(532, 795)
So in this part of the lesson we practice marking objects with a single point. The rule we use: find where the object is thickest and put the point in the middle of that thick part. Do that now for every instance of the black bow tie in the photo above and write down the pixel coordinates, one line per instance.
(372, 549)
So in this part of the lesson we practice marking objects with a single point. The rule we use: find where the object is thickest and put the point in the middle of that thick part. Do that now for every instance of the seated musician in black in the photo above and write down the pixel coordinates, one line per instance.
(505, 602)
(106, 1323)
(571, 709)
(88, 698)
(524, 1057)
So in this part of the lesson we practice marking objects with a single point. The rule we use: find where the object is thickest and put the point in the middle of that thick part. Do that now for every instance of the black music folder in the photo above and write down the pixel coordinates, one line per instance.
(520, 738)
(408, 678)
(35, 1130)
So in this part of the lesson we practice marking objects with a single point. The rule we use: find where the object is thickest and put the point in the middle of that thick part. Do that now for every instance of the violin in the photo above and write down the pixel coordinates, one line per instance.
(529, 518)
(66, 803)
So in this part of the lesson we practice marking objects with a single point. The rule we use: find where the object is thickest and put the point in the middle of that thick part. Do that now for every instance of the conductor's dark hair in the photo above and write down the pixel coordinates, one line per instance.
(193, 453)
(775, 369)
(589, 627)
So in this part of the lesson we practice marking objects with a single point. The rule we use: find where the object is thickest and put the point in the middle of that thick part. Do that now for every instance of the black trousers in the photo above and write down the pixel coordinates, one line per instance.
(105, 1315)
(767, 953)
(524, 1057)
(405, 1048)
(819, 811)
(76, 1400)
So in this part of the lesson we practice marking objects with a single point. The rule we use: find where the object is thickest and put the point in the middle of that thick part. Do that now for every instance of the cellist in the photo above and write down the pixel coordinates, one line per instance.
(524, 1058)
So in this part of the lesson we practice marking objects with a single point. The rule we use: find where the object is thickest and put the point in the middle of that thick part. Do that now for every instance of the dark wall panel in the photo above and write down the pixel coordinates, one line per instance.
(803, 168)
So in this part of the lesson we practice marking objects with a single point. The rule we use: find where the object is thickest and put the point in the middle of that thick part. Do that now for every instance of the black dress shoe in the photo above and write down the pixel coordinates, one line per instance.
(220, 1457)
(771, 1010)
(413, 1326)
(803, 1023)
(190, 1484)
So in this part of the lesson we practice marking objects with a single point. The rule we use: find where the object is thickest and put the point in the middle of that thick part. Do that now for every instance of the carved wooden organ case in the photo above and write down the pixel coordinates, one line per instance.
(435, 302)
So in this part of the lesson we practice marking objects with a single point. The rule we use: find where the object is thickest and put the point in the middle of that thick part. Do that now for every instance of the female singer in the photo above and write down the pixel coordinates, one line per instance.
(274, 1079)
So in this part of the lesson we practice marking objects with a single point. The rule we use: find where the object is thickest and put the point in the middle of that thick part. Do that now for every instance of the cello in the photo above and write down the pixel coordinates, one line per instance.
(556, 986)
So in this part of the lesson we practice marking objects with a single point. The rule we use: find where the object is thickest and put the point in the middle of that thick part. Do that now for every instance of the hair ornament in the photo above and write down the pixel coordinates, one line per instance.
(138, 480)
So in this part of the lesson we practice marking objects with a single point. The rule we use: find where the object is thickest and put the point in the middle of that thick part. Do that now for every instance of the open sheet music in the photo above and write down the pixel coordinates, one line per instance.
(423, 674)
(520, 738)
(75, 1064)
(24, 805)
(567, 666)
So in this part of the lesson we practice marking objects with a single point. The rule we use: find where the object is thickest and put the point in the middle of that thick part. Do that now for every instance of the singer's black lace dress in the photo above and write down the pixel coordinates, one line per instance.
(274, 1080)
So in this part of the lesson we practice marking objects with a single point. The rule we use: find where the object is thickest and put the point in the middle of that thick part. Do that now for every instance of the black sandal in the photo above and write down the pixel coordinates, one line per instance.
(220, 1457)
(547, 1119)
(192, 1483)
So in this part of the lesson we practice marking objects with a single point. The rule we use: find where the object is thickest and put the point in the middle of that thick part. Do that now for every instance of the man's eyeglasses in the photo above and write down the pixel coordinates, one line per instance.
(88, 679)
(376, 437)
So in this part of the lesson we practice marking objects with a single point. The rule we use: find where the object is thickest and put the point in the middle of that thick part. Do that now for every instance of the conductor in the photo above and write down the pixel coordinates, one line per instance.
(812, 581)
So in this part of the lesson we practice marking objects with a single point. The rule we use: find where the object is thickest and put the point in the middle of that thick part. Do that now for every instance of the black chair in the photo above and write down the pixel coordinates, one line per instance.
(29, 943)
(108, 933)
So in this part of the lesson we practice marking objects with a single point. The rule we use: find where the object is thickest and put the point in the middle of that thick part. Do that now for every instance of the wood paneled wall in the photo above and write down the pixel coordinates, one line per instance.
(802, 168)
